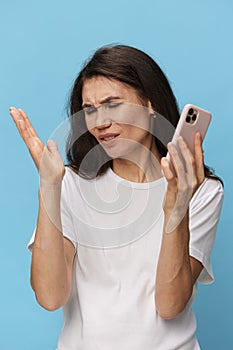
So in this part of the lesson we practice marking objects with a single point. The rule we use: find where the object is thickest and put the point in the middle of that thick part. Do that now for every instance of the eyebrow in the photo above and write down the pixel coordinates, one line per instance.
(105, 100)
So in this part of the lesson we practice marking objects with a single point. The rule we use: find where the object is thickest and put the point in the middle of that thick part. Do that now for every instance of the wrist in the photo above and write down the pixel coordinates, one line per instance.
(169, 212)
(51, 182)
(174, 222)
(45, 186)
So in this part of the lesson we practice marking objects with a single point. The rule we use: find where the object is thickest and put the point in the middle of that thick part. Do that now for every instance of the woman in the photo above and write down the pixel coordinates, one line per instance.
(123, 280)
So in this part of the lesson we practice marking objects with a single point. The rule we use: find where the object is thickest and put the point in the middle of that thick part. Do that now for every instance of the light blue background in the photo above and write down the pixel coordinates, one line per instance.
(42, 47)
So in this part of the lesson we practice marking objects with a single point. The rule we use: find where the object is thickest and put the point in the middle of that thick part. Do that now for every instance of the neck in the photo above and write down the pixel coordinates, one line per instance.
(139, 167)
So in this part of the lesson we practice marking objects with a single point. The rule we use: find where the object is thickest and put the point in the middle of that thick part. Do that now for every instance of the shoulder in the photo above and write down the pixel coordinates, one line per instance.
(210, 191)
(73, 182)
(69, 173)
(71, 177)
(70, 182)
(208, 186)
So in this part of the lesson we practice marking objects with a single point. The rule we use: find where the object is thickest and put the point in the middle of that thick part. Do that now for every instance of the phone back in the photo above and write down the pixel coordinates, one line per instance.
(192, 120)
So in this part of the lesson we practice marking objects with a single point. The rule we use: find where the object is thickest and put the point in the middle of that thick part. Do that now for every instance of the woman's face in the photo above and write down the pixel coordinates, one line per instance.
(116, 116)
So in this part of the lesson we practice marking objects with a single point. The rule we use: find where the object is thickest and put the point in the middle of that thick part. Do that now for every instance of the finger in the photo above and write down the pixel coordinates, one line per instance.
(25, 128)
(15, 115)
(52, 146)
(19, 114)
(53, 150)
(33, 145)
(21, 126)
(170, 198)
(18, 121)
(166, 169)
(28, 123)
(199, 158)
(29, 141)
(25, 122)
(189, 163)
(177, 164)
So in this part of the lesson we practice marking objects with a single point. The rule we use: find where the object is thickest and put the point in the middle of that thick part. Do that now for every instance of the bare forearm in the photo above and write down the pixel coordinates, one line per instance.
(49, 277)
(174, 282)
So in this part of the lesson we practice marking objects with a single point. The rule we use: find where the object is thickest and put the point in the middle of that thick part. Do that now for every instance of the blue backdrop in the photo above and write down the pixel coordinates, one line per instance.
(43, 45)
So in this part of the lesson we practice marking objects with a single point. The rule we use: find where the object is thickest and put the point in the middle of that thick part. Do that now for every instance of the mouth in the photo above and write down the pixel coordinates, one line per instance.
(108, 139)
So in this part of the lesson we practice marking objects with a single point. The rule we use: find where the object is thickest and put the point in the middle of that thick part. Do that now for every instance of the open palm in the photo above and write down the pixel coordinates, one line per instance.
(47, 159)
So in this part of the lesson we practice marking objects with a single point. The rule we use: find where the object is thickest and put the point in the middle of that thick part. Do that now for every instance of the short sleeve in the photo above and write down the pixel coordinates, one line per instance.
(205, 208)
(68, 229)
(31, 242)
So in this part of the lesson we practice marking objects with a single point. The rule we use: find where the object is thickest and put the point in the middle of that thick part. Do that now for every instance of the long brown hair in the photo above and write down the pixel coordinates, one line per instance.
(136, 69)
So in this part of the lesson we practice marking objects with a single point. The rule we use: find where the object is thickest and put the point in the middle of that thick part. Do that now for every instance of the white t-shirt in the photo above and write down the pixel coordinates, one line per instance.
(116, 226)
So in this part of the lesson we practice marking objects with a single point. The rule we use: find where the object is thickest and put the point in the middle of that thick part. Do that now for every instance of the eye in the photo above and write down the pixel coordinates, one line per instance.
(90, 110)
(113, 105)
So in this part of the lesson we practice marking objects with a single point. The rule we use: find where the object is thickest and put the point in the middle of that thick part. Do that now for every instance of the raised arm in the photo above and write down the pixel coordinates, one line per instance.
(52, 254)
(177, 271)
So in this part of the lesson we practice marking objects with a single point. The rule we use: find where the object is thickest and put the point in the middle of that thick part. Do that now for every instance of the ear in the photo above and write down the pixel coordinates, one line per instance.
(151, 109)
(152, 115)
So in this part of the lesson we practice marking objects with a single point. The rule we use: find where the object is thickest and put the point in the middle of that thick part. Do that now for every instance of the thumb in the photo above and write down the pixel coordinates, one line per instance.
(52, 146)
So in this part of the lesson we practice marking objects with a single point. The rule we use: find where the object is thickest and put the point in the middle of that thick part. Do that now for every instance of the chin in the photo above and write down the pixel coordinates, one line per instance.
(118, 152)
(114, 153)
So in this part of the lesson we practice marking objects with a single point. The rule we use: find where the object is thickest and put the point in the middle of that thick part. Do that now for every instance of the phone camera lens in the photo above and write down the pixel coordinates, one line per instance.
(188, 119)
(194, 117)
(190, 111)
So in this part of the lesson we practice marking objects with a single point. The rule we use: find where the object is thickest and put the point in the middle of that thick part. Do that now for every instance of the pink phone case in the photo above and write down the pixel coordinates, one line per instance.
(192, 120)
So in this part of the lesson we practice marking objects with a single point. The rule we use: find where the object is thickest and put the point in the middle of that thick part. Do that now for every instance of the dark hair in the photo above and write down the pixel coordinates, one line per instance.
(136, 69)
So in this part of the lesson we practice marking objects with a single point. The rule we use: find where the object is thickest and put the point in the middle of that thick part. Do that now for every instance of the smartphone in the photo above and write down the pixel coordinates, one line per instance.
(192, 120)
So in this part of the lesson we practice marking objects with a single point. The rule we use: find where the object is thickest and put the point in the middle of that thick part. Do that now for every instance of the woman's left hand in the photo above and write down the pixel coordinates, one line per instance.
(182, 185)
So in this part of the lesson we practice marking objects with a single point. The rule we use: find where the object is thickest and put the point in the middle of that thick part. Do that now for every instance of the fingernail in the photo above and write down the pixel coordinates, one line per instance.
(181, 140)
(170, 146)
(164, 160)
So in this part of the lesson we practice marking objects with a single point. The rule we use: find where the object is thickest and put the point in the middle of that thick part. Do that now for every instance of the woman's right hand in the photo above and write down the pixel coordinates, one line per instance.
(47, 159)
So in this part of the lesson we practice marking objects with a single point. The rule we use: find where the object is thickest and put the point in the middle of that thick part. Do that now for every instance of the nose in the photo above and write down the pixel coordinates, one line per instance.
(103, 125)
(102, 120)
(98, 118)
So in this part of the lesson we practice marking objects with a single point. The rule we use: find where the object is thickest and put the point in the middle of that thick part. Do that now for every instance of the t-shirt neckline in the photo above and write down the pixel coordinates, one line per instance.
(137, 185)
